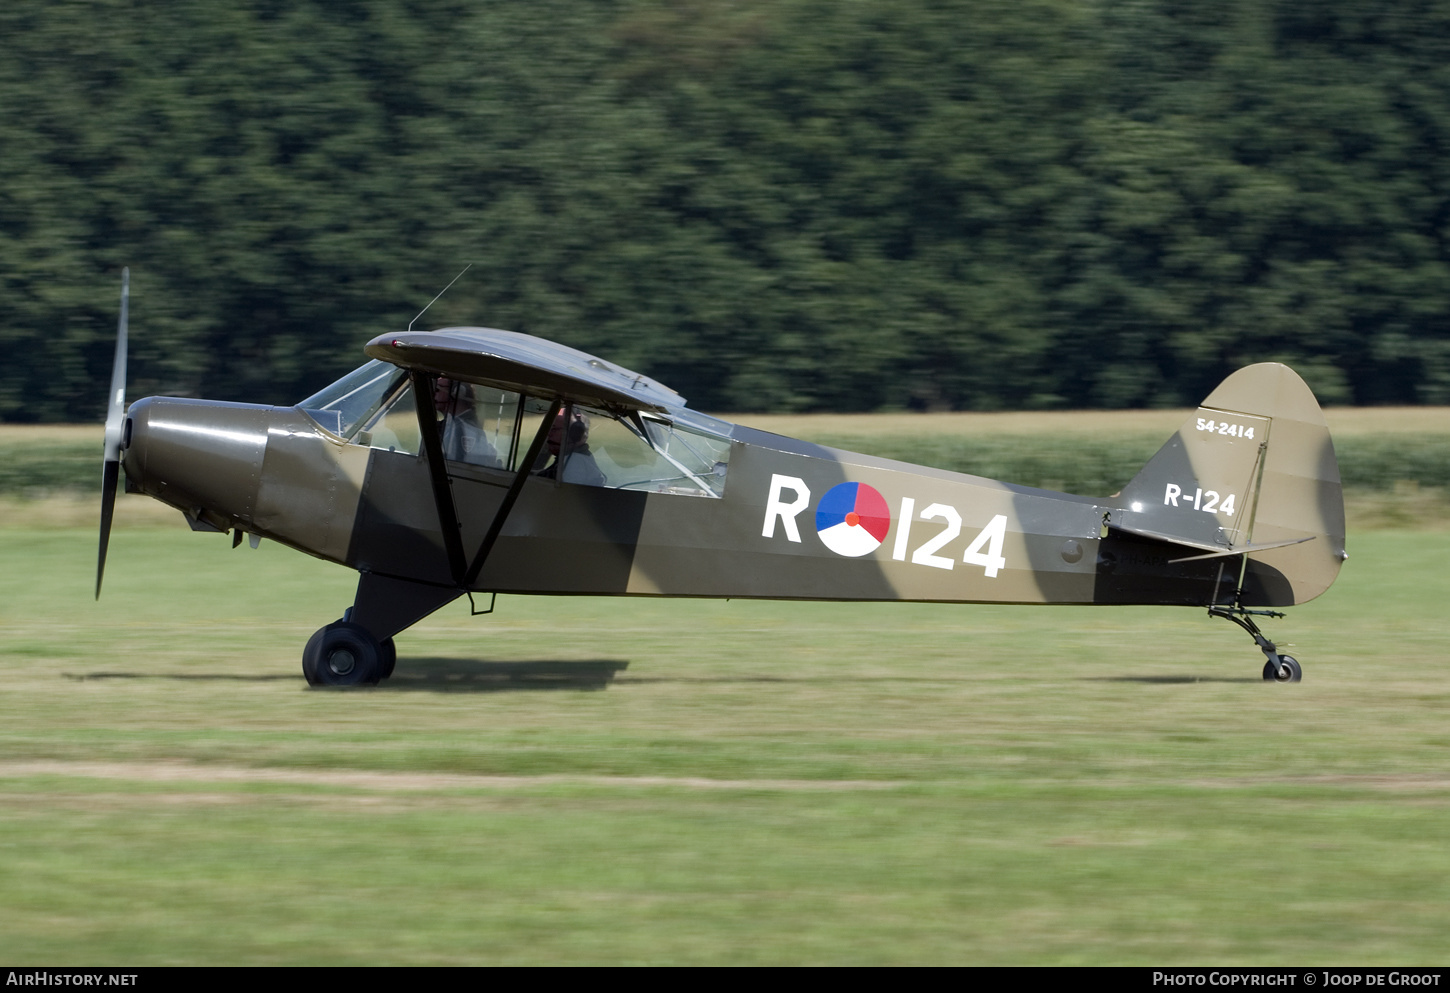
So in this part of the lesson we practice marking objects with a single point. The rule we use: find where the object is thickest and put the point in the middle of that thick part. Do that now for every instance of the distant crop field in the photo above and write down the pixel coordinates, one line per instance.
(610, 781)
(1343, 422)
(1093, 453)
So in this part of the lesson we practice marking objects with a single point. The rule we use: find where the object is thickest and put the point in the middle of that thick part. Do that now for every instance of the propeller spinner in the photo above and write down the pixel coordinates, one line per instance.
(115, 422)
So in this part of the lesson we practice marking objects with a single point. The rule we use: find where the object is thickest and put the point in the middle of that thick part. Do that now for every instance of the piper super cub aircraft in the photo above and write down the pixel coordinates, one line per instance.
(470, 460)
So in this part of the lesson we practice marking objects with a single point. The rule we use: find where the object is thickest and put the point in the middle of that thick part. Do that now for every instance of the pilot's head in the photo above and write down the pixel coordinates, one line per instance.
(449, 400)
(578, 431)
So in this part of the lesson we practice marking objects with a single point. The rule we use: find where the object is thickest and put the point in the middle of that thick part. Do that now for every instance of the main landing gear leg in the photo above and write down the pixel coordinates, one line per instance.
(1278, 668)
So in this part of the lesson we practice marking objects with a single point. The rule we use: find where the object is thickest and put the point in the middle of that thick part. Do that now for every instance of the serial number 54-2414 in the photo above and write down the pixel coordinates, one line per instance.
(1227, 428)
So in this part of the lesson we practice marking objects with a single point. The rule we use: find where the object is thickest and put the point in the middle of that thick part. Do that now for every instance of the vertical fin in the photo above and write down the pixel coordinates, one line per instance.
(1254, 464)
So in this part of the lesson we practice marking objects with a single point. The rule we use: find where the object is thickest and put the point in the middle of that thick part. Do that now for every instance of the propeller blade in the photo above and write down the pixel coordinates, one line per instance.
(110, 473)
(115, 421)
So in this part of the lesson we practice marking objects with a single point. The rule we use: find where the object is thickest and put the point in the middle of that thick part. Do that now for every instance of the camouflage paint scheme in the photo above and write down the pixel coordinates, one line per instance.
(1242, 502)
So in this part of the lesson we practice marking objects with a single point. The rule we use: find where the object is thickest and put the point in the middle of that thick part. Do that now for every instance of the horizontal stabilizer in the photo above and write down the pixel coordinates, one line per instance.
(1208, 551)
(1243, 550)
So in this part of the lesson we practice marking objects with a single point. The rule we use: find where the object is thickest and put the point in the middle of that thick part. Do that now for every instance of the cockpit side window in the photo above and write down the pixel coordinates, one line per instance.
(478, 422)
(663, 458)
(394, 428)
(345, 406)
(703, 458)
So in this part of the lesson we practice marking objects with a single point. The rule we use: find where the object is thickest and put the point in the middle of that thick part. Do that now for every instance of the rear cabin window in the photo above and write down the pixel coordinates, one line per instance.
(654, 455)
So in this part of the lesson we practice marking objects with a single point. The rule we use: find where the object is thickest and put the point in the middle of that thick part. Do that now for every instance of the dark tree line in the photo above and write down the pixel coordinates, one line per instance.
(767, 204)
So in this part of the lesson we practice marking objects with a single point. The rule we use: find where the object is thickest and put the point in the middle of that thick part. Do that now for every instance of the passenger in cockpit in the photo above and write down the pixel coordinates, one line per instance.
(568, 443)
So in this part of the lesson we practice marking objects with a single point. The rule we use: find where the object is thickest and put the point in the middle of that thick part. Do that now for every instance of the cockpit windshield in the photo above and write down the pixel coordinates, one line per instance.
(349, 403)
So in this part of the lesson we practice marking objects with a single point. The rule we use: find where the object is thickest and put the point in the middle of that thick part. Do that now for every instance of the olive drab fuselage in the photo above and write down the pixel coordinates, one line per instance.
(1241, 508)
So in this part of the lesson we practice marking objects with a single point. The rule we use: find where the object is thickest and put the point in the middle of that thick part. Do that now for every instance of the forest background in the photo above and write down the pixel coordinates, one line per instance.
(788, 205)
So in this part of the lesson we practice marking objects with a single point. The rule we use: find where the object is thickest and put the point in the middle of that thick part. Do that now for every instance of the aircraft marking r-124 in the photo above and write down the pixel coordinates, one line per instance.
(1207, 501)
(985, 550)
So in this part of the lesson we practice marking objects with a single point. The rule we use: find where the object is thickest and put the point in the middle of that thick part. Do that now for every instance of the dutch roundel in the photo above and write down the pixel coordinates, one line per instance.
(852, 519)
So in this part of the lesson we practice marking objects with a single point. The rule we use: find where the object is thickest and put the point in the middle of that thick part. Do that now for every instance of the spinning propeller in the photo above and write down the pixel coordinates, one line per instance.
(115, 423)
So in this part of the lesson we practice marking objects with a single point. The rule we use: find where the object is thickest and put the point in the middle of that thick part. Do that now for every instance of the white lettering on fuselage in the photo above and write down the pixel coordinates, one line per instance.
(786, 513)
(926, 554)
(984, 550)
(903, 528)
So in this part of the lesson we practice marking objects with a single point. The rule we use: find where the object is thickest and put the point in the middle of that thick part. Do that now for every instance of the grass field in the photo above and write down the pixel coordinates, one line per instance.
(637, 781)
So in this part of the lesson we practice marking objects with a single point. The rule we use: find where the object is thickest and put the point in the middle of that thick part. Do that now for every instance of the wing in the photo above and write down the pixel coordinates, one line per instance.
(512, 361)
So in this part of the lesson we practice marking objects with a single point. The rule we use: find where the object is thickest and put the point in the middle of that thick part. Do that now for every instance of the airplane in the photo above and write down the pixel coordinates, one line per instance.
(468, 460)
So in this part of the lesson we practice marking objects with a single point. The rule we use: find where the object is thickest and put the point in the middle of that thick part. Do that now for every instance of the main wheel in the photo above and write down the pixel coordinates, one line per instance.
(342, 654)
(1287, 671)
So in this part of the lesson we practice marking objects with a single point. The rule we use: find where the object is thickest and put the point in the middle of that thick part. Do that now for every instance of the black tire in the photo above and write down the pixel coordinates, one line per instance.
(1287, 671)
(309, 656)
(389, 658)
(342, 654)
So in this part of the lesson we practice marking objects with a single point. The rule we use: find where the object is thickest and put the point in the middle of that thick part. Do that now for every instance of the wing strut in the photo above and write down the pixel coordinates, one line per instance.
(515, 488)
(438, 472)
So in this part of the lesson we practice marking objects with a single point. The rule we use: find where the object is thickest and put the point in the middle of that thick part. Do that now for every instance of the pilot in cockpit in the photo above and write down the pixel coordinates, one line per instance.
(570, 445)
(464, 439)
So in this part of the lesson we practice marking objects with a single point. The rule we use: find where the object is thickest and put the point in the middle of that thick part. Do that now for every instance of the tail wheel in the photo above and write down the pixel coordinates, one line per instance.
(343, 654)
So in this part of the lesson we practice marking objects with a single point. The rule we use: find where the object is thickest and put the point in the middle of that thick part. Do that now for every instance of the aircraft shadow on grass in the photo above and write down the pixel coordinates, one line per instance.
(439, 675)
(82, 677)
(1163, 680)
(443, 675)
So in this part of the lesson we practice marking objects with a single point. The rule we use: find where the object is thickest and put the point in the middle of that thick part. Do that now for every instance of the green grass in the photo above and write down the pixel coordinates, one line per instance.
(760, 782)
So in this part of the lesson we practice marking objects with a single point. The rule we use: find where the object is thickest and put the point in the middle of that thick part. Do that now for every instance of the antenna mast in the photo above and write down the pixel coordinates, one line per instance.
(440, 293)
